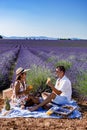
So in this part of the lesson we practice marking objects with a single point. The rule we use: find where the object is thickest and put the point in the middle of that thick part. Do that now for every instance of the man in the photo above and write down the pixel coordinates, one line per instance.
(61, 92)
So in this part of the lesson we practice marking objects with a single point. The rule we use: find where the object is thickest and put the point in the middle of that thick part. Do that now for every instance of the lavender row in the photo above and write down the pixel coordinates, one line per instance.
(7, 47)
(77, 56)
(7, 60)
(27, 59)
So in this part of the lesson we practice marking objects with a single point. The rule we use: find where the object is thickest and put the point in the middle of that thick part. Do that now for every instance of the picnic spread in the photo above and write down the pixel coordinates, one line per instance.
(70, 110)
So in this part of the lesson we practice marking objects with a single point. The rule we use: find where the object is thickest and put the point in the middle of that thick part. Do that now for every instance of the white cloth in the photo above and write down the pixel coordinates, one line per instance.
(64, 85)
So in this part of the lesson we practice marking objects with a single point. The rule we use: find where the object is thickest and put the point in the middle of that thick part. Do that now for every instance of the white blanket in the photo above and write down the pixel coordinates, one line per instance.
(40, 113)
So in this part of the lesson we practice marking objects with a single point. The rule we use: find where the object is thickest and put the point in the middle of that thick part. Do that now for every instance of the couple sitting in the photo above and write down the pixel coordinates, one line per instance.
(61, 92)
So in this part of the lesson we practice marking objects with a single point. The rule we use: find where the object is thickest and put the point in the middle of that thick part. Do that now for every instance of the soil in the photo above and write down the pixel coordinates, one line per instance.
(46, 124)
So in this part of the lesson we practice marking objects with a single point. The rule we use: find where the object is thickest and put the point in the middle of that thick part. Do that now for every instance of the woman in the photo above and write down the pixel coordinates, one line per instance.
(20, 94)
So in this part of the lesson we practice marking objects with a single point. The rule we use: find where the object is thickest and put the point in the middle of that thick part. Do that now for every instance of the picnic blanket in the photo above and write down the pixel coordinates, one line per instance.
(16, 111)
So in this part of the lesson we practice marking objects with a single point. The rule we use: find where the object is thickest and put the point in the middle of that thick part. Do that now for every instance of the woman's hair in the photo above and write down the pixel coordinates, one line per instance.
(19, 78)
(61, 68)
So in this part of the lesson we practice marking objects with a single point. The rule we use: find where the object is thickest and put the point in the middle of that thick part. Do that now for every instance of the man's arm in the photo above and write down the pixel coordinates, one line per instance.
(58, 92)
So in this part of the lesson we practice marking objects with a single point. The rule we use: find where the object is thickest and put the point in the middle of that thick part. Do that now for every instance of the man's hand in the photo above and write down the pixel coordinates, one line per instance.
(58, 92)
(49, 83)
(48, 80)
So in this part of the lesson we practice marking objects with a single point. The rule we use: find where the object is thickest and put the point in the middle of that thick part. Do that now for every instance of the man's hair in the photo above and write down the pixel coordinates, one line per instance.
(61, 68)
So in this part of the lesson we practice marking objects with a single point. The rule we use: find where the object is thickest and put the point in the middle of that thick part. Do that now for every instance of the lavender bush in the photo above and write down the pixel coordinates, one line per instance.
(81, 83)
(65, 63)
(37, 77)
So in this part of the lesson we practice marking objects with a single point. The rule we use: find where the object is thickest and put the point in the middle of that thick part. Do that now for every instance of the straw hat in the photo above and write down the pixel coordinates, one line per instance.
(19, 71)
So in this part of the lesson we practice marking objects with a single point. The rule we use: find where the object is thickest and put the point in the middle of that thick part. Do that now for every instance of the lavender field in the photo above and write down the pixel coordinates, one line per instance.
(45, 54)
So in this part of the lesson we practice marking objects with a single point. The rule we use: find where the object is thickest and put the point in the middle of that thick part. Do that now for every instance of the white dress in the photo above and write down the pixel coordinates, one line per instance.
(20, 99)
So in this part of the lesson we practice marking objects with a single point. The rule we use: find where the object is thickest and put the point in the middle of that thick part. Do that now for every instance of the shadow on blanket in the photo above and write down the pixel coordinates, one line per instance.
(65, 111)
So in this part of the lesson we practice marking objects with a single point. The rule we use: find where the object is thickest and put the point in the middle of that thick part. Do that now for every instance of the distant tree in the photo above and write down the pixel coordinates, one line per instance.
(1, 37)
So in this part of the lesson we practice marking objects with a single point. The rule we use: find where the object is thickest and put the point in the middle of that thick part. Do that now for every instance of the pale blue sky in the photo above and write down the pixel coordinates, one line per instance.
(52, 18)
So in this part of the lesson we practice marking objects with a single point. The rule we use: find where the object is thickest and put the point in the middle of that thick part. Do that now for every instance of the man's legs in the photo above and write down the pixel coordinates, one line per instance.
(61, 100)
(46, 101)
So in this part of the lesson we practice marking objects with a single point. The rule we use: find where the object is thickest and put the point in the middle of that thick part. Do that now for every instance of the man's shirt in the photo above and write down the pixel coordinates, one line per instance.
(64, 85)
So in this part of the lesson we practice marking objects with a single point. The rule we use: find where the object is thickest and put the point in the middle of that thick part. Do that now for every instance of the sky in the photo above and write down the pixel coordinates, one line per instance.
(51, 18)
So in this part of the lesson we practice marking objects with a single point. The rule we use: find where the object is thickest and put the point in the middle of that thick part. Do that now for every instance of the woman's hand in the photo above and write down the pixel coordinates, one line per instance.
(29, 88)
